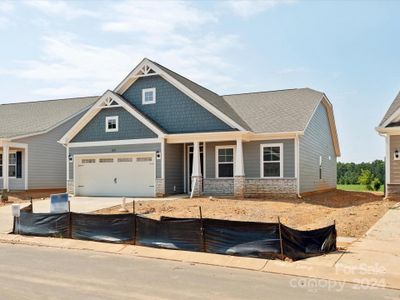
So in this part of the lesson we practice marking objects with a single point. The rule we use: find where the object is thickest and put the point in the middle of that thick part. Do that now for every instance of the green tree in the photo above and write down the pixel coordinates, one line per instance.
(366, 178)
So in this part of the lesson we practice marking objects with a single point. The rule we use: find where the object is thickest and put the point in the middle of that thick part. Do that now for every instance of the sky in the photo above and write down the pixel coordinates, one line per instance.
(347, 49)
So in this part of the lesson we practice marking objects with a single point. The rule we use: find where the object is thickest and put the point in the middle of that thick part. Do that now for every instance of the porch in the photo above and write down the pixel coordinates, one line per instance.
(13, 166)
(239, 167)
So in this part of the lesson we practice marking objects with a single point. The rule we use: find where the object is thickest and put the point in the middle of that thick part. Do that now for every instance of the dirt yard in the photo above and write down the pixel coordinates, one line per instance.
(354, 212)
(22, 197)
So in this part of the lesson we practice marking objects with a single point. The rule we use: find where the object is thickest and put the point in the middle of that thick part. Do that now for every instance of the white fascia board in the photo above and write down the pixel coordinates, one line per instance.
(388, 130)
(331, 119)
(131, 78)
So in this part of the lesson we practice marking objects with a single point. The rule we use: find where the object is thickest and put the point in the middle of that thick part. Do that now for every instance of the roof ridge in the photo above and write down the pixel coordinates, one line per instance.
(185, 77)
(49, 100)
(271, 91)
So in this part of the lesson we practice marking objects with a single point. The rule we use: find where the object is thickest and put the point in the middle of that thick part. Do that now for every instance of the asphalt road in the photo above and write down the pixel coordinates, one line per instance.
(31, 272)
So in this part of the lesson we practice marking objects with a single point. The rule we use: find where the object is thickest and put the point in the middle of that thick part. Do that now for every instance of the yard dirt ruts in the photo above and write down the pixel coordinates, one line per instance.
(353, 212)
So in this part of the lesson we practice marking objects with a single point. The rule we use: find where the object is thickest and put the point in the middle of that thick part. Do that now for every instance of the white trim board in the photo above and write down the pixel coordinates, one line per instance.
(95, 109)
(115, 143)
(281, 161)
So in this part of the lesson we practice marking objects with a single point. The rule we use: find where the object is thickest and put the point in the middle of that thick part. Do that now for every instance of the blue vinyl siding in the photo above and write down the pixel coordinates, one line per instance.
(129, 127)
(173, 111)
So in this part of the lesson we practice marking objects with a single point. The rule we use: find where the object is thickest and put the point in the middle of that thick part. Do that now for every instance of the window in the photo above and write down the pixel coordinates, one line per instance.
(271, 161)
(88, 161)
(12, 165)
(125, 159)
(225, 161)
(149, 96)
(112, 124)
(106, 160)
(320, 168)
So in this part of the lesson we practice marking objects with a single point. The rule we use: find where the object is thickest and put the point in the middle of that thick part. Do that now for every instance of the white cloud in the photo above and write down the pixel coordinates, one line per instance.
(58, 8)
(154, 17)
(6, 7)
(287, 71)
(248, 8)
(170, 32)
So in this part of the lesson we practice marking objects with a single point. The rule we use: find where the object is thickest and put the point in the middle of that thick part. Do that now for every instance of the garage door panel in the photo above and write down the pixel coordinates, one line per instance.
(116, 175)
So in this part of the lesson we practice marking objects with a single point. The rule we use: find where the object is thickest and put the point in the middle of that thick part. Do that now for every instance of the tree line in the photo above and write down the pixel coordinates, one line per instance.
(352, 173)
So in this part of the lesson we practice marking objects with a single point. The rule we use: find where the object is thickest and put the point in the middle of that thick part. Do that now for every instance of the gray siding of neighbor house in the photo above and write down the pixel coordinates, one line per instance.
(116, 149)
(16, 184)
(174, 169)
(174, 111)
(394, 164)
(128, 127)
(46, 158)
(252, 155)
(316, 142)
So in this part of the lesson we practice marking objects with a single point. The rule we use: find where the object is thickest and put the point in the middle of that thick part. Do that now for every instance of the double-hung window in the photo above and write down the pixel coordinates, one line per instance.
(12, 165)
(112, 124)
(272, 160)
(225, 161)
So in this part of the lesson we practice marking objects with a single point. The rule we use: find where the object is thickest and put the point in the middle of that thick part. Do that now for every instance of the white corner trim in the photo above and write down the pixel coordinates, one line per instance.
(262, 146)
(388, 161)
(110, 118)
(131, 78)
(162, 158)
(115, 143)
(144, 91)
(297, 162)
(233, 147)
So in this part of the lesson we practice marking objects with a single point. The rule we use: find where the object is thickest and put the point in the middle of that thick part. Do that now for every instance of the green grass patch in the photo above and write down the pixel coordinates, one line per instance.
(355, 188)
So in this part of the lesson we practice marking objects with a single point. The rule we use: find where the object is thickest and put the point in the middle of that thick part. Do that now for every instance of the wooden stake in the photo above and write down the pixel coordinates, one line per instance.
(203, 237)
(280, 238)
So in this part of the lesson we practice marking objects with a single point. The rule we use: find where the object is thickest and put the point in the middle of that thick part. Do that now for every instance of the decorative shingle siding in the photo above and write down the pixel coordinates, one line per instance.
(129, 127)
(316, 142)
(174, 169)
(174, 111)
(252, 154)
(118, 149)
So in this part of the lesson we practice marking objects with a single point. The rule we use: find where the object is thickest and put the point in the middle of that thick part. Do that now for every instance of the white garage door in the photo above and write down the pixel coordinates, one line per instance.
(115, 175)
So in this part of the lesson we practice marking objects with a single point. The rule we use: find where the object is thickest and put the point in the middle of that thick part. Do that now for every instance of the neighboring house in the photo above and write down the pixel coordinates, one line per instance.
(390, 129)
(159, 133)
(30, 157)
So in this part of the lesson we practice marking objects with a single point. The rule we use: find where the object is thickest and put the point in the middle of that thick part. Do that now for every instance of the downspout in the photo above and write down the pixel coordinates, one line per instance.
(297, 163)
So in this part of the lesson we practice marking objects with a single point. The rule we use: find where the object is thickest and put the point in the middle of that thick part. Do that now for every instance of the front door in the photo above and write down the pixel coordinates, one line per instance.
(190, 166)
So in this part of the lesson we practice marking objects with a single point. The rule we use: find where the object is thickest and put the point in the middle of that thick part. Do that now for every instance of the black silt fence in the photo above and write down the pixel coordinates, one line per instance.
(250, 239)
(103, 228)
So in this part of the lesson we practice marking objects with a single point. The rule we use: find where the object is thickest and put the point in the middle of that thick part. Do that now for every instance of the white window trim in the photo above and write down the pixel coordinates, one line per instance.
(1, 165)
(217, 162)
(144, 91)
(262, 146)
(116, 123)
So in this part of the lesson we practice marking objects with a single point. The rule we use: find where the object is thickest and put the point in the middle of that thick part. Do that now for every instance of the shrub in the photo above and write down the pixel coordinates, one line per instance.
(376, 184)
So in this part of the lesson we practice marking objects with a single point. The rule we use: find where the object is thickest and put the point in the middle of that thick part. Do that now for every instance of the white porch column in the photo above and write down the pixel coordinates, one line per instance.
(239, 176)
(6, 151)
(196, 170)
(239, 165)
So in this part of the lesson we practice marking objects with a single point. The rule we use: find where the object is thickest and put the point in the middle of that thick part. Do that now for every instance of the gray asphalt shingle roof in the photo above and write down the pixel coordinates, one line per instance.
(214, 99)
(19, 119)
(269, 112)
(392, 109)
(276, 111)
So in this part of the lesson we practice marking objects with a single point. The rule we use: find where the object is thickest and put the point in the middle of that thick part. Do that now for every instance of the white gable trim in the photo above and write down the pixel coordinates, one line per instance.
(331, 119)
(136, 73)
(105, 101)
